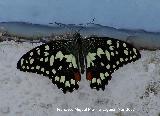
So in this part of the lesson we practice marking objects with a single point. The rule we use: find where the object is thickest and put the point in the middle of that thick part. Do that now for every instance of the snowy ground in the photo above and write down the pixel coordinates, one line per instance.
(135, 86)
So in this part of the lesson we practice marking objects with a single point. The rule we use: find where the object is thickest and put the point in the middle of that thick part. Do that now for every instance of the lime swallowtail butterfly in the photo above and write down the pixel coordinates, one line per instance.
(64, 60)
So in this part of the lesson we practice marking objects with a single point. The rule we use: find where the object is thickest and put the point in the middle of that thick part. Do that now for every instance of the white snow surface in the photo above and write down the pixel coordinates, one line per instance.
(135, 86)
(133, 14)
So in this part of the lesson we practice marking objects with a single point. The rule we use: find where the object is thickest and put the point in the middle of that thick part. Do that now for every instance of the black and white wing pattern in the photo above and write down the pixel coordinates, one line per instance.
(103, 56)
(63, 60)
(55, 59)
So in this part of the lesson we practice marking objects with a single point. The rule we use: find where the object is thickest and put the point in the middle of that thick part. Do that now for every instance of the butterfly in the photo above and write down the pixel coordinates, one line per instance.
(64, 60)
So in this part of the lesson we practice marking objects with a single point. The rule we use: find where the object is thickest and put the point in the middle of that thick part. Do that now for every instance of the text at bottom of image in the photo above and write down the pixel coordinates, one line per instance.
(95, 110)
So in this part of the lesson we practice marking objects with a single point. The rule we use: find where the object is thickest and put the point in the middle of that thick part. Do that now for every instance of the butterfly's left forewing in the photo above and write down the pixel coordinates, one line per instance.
(105, 55)
(55, 59)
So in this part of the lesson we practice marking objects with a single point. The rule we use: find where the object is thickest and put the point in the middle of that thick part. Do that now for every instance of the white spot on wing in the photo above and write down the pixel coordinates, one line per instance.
(32, 68)
(47, 72)
(22, 61)
(126, 52)
(90, 59)
(70, 65)
(69, 58)
(102, 76)
(117, 44)
(99, 52)
(27, 67)
(117, 62)
(74, 62)
(42, 69)
(135, 51)
(98, 81)
(126, 59)
(37, 67)
(31, 61)
(102, 64)
(93, 80)
(59, 55)
(112, 53)
(134, 56)
(60, 67)
(62, 79)
(108, 66)
(72, 59)
(111, 47)
(109, 42)
(67, 84)
(46, 47)
(26, 61)
(54, 71)
(107, 54)
(121, 59)
(106, 74)
(72, 81)
(46, 53)
(41, 59)
(46, 59)
(31, 54)
(56, 78)
(38, 51)
(51, 60)
(124, 44)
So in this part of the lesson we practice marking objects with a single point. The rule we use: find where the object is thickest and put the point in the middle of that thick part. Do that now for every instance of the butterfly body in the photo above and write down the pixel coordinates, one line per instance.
(63, 61)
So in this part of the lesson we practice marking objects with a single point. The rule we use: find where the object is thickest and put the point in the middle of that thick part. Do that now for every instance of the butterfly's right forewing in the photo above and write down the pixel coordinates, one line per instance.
(55, 59)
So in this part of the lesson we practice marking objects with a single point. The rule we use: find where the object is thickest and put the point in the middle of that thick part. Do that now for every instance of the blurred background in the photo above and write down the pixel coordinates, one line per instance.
(134, 21)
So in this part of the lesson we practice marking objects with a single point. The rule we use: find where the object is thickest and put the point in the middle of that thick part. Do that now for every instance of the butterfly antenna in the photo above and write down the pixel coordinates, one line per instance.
(83, 26)
(64, 25)
(69, 27)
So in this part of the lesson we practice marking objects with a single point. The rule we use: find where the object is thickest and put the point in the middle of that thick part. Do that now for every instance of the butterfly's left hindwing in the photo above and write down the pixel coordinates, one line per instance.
(105, 55)
(55, 59)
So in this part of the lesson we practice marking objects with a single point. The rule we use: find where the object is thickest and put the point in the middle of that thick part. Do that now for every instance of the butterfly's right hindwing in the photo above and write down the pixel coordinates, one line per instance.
(55, 60)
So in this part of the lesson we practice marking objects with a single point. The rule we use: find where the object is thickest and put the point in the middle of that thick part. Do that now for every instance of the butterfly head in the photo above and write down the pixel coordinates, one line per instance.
(77, 35)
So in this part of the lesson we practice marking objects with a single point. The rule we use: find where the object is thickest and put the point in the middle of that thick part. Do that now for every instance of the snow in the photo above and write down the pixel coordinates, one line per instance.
(135, 86)
(137, 14)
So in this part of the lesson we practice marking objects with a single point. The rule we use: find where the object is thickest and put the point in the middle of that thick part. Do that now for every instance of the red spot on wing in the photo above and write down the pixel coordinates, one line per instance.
(77, 76)
(89, 76)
